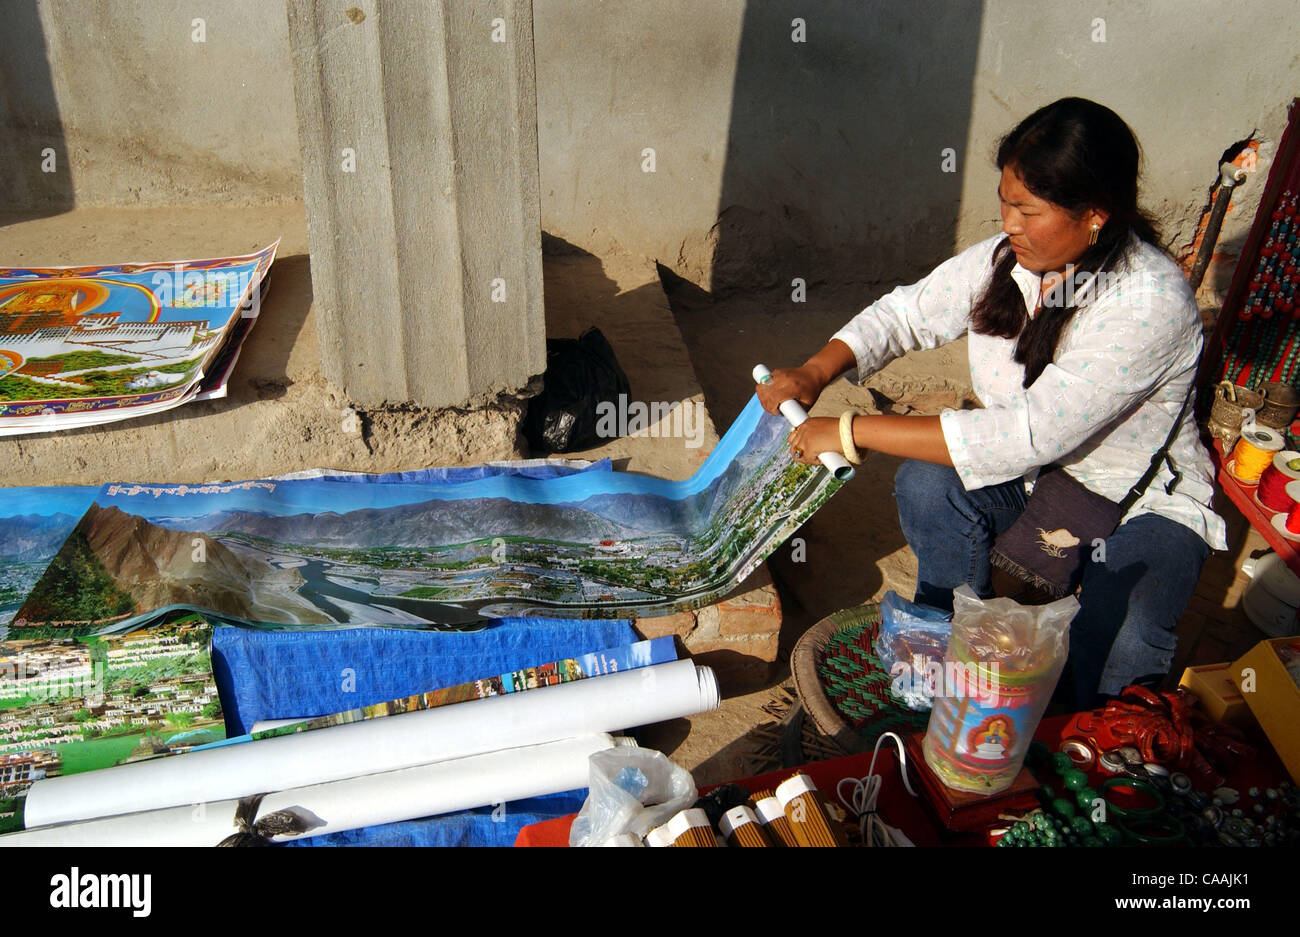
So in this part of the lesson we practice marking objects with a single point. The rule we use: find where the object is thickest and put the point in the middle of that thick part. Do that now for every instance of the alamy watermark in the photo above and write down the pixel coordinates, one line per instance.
(677, 419)
(40, 685)
(189, 289)
(926, 678)
(1077, 287)
(77, 889)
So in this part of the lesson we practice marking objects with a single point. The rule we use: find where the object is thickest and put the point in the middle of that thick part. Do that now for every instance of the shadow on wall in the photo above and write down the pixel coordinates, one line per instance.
(835, 166)
(37, 177)
(580, 294)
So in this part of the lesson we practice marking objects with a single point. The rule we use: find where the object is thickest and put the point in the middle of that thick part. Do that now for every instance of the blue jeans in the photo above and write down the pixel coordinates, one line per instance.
(1128, 605)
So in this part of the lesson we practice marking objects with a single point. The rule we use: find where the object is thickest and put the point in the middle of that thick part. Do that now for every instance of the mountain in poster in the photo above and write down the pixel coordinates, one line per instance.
(77, 589)
(34, 523)
(114, 564)
(427, 523)
(30, 537)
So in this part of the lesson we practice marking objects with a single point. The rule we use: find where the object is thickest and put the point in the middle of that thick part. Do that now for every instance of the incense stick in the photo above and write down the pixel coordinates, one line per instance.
(691, 827)
(740, 827)
(805, 808)
(771, 815)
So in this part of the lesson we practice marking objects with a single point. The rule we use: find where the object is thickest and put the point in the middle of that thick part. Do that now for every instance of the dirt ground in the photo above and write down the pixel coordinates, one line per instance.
(280, 415)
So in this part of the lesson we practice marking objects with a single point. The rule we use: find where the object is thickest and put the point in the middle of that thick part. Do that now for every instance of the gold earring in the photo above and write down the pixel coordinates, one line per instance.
(1092, 235)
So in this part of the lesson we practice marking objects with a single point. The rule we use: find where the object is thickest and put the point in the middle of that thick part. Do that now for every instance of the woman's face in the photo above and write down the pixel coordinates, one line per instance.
(1044, 236)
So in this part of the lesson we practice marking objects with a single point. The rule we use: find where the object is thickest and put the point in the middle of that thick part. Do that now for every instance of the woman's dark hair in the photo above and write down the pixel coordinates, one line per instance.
(1077, 155)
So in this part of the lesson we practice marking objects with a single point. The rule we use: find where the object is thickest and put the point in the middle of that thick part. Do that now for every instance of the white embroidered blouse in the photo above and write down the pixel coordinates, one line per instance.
(1122, 369)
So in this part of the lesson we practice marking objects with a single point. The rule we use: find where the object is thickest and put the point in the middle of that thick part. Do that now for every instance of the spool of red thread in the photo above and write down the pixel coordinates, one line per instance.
(1272, 493)
(1293, 519)
(1287, 523)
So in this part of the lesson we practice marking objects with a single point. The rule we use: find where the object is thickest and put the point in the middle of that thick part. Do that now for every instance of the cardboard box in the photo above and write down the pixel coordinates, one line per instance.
(1219, 697)
(1273, 695)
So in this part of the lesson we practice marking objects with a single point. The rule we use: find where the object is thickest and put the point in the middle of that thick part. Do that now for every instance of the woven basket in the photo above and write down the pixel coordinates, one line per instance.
(842, 685)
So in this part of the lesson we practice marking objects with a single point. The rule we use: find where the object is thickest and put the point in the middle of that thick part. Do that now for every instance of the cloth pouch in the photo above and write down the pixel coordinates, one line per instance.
(1050, 542)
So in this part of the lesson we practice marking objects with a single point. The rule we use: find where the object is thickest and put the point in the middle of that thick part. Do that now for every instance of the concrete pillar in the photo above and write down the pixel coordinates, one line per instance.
(417, 121)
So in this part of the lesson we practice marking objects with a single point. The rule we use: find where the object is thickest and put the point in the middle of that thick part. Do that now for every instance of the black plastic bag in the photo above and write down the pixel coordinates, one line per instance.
(580, 374)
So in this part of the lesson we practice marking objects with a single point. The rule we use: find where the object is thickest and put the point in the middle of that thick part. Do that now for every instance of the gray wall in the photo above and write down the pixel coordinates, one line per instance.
(137, 111)
(823, 160)
(1190, 76)
(774, 159)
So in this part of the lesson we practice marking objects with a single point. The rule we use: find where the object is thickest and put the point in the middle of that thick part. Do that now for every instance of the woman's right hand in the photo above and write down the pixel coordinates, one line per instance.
(803, 384)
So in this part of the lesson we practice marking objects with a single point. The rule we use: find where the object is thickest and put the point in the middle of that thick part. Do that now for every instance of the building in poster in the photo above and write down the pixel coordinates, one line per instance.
(77, 702)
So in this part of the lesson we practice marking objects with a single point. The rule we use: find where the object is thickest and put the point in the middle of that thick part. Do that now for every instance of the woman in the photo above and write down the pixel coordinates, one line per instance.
(1085, 372)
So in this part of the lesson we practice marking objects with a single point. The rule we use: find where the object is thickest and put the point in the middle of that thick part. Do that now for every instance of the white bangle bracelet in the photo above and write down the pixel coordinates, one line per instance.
(846, 438)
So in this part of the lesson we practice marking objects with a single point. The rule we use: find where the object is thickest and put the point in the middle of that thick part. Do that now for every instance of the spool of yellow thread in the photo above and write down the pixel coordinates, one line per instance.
(1254, 453)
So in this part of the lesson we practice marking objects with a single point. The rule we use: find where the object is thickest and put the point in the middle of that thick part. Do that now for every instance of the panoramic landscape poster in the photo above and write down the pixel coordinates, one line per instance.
(324, 551)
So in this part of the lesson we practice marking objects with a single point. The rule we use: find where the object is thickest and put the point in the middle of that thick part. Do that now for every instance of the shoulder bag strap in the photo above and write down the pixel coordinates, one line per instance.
(1161, 455)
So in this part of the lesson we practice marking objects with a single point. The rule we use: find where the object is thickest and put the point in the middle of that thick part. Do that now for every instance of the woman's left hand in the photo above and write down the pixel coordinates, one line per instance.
(814, 436)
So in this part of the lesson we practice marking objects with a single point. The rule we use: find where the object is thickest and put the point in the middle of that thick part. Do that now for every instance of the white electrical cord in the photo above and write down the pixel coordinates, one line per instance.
(866, 791)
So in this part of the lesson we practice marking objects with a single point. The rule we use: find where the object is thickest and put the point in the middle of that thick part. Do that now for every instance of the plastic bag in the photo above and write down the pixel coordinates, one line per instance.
(1021, 638)
(910, 645)
(1000, 670)
(581, 374)
(632, 790)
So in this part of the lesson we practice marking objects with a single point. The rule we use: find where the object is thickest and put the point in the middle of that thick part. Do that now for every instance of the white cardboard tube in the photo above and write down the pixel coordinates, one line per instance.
(794, 412)
(583, 707)
(422, 791)
(795, 415)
